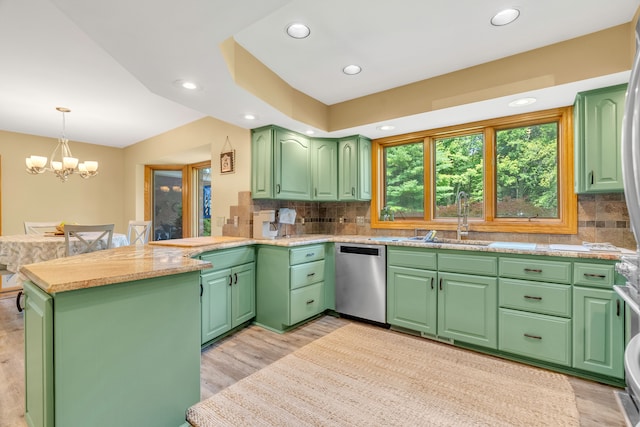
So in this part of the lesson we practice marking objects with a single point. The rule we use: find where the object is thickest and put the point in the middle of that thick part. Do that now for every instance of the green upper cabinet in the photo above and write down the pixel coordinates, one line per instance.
(598, 124)
(262, 163)
(324, 169)
(292, 177)
(288, 166)
(280, 165)
(354, 168)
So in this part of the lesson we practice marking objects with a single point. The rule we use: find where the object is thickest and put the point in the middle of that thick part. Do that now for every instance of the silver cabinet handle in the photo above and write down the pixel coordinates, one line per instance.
(595, 276)
(353, 191)
(311, 274)
(533, 298)
(278, 188)
(533, 270)
(311, 301)
(310, 254)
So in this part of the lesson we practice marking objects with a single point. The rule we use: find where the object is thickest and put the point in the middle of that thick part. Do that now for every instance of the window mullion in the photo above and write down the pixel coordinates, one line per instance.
(489, 174)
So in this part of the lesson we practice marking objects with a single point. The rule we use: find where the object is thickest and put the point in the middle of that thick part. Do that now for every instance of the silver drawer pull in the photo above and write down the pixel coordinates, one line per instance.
(311, 274)
(533, 270)
(533, 298)
(310, 254)
(311, 301)
(595, 276)
(535, 337)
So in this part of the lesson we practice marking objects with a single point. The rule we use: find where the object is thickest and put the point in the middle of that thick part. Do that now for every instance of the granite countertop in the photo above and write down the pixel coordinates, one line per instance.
(168, 257)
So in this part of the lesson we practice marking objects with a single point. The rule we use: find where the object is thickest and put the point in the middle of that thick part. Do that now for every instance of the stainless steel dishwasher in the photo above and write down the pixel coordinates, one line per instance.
(361, 289)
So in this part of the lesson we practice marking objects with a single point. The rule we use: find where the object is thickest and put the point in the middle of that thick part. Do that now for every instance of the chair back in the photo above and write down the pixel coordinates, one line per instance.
(90, 238)
(31, 227)
(139, 232)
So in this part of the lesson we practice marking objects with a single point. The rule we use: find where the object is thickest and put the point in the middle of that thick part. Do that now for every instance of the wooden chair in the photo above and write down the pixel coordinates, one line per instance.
(31, 227)
(91, 238)
(139, 232)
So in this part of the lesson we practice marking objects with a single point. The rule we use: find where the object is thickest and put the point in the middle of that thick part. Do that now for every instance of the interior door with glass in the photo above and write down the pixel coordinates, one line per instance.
(167, 204)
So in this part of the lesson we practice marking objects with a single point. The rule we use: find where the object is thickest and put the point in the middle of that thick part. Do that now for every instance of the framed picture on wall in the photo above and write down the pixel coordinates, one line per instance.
(228, 161)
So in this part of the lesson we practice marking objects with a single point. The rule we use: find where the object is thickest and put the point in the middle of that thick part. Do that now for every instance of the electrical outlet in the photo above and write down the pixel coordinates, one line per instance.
(341, 220)
(359, 220)
(235, 220)
(302, 221)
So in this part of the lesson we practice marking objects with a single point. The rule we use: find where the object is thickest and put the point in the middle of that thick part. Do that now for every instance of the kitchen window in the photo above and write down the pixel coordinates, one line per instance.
(516, 171)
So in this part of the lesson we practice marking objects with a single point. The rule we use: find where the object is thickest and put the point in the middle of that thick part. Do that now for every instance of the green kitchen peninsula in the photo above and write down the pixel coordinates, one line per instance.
(112, 338)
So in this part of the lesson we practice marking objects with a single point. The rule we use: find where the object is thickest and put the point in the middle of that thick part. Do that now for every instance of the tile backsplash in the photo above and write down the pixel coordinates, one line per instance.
(601, 218)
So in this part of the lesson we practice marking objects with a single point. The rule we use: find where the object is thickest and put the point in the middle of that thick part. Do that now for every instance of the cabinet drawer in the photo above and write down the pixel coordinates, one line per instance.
(306, 274)
(544, 298)
(472, 264)
(537, 336)
(536, 269)
(594, 275)
(306, 254)
(306, 302)
(229, 257)
(412, 258)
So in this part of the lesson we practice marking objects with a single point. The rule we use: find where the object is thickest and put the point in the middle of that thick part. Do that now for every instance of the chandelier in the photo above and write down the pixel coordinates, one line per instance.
(66, 164)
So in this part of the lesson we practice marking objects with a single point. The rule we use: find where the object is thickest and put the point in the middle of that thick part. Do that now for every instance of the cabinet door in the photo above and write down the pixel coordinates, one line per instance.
(412, 298)
(292, 166)
(324, 169)
(467, 308)
(598, 125)
(598, 331)
(215, 303)
(364, 169)
(243, 294)
(38, 341)
(262, 164)
(347, 168)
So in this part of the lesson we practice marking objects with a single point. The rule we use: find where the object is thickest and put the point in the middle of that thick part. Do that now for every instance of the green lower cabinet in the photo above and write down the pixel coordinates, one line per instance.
(292, 284)
(467, 308)
(228, 300)
(537, 336)
(598, 331)
(412, 299)
(38, 342)
(125, 354)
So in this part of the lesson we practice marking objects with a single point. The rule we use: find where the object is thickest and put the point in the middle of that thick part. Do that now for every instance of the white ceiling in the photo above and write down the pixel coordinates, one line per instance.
(114, 63)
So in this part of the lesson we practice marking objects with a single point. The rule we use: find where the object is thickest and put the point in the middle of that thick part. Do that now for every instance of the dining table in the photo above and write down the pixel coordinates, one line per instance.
(21, 249)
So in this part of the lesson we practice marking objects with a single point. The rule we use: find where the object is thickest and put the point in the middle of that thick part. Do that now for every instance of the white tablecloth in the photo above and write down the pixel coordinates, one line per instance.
(22, 249)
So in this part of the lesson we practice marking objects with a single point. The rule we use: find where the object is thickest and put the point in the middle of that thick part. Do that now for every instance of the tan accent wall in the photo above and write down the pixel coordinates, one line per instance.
(192, 143)
(597, 54)
(252, 75)
(44, 197)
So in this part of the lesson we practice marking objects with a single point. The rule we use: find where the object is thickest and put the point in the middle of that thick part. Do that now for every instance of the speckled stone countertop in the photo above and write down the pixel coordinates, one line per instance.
(165, 258)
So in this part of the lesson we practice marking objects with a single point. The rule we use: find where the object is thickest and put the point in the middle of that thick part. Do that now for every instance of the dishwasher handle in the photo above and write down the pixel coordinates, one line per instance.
(360, 250)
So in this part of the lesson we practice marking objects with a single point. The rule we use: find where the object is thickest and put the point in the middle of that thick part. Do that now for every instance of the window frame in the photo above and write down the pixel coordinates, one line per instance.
(567, 221)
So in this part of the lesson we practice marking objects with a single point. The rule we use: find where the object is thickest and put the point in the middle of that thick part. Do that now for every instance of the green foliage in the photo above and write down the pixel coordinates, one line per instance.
(526, 169)
(405, 179)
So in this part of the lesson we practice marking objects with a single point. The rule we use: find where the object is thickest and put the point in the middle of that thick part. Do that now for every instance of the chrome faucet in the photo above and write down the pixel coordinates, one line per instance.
(462, 202)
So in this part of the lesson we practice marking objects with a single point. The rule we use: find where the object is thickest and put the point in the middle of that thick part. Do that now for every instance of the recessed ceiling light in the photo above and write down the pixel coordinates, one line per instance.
(386, 127)
(522, 102)
(186, 84)
(250, 116)
(298, 31)
(505, 17)
(309, 132)
(351, 69)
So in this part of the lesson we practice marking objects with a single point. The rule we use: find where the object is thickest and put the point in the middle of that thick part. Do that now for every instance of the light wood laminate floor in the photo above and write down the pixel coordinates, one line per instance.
(238, 356)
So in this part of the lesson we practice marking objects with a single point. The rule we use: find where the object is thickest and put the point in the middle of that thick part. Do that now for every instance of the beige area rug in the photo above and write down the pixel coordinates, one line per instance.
(361, 375)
